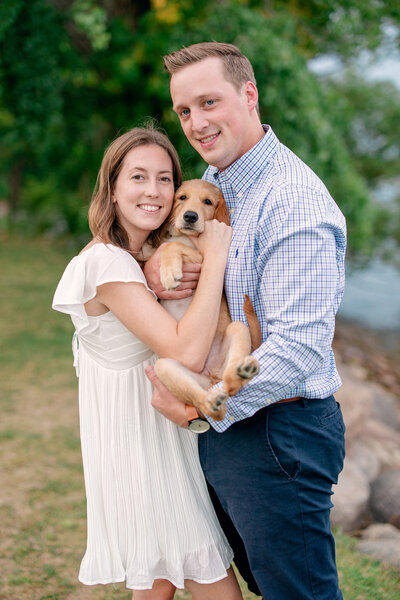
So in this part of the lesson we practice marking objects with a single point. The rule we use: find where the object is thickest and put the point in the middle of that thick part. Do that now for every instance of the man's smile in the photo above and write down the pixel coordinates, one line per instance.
(209, 139)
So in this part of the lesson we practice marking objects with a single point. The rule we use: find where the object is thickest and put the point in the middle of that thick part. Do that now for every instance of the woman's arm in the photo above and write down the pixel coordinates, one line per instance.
(189, 340)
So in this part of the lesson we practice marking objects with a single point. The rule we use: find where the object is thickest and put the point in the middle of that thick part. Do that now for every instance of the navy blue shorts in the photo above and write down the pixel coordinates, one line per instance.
(270, 478)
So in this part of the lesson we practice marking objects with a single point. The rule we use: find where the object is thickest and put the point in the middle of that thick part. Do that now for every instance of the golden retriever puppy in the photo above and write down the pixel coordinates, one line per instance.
(229, 360)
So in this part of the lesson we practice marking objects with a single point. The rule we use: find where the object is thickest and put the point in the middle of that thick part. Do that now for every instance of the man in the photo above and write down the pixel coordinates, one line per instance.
(272, 461)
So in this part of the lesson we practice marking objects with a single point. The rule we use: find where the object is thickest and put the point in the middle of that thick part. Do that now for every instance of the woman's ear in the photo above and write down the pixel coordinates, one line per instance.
(222, 213)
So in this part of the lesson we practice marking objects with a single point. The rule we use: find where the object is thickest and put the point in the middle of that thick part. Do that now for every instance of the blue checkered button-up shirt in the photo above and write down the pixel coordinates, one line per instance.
(287, 254)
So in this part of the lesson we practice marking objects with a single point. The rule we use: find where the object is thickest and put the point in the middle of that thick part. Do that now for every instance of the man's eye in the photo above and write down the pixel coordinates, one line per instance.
(210, 102)
(185, 112)
(208, 202)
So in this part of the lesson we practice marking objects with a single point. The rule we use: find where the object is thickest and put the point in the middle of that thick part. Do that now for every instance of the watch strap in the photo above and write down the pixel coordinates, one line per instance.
(191, 413)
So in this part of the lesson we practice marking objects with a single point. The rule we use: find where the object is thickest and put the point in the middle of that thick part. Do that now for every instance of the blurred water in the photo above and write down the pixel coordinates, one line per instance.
(372, 296)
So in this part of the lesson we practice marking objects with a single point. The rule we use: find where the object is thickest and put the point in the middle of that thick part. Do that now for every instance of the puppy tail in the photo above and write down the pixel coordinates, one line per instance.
(253, 323)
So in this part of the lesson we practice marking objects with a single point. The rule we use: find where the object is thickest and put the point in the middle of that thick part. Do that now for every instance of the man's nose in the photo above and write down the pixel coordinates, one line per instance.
(199, 120)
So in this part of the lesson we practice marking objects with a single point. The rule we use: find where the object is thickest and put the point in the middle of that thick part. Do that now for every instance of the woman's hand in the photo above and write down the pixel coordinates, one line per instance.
(215, 239)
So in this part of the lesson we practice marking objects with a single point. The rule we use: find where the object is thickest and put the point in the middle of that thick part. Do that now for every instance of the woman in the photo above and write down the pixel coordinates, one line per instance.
(150, 520)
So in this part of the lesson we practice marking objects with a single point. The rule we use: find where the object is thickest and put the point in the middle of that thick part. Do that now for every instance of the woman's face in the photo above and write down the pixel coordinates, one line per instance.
(144, 191)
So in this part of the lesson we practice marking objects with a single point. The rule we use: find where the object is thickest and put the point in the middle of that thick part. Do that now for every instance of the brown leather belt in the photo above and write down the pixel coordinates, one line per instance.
(288, 400)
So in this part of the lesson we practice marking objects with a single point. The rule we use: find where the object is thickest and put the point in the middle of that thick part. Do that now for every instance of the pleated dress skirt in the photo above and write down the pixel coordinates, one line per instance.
(149, 515)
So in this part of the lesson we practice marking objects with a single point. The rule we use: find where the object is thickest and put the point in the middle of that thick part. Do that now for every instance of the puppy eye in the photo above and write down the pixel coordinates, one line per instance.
(208, 202)
(183, 197)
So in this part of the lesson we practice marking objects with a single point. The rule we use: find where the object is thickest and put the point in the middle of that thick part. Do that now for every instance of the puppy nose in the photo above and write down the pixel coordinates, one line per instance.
(190, 217)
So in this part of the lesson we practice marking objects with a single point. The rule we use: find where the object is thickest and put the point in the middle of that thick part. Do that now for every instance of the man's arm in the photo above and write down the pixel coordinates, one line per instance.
(300, 284)
(191, 274)
(166, 403)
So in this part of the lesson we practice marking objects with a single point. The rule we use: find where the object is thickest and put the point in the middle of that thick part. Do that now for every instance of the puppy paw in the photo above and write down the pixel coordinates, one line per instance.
(170, 277)
(248, 368)
(237, 375)
(215, 404)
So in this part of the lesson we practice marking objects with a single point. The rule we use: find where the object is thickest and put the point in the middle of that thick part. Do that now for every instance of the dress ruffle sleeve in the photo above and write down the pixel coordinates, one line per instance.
(101, 263)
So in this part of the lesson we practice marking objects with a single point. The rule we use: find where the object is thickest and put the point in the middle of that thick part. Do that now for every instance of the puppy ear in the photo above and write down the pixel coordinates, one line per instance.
(222, 214)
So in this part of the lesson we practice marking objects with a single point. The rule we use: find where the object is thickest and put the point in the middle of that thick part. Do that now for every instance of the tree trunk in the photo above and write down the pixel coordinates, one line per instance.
(15, 187)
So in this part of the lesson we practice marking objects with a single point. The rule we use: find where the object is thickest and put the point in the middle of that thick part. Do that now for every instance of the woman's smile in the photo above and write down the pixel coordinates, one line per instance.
(150, 208)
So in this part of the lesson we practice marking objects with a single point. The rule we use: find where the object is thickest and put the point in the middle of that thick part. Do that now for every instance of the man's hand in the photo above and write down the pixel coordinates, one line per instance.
(166, 403)
(191, 274)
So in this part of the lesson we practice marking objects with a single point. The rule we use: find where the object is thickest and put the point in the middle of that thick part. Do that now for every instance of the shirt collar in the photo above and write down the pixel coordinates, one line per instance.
(242, 173)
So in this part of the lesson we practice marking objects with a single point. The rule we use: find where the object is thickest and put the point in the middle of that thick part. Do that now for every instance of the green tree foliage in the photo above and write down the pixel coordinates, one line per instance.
(93, 69)
(341, 27)
(30, 85)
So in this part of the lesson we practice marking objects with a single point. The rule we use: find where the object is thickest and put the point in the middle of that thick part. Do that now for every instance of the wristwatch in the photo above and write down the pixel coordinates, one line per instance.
(195, 422)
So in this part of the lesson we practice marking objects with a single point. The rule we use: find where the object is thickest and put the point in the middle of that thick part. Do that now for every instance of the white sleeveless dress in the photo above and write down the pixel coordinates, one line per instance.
(149, 515)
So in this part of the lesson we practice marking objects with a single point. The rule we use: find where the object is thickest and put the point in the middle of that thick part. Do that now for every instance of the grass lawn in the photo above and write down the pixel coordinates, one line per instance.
(42, 501)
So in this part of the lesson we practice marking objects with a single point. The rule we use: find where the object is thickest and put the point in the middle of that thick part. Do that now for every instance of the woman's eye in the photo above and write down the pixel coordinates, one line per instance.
(137, 177)
(166, 179)
(208, 202)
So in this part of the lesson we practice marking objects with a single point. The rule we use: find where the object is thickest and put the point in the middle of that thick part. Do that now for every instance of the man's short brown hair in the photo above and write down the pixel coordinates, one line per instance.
(237, 67)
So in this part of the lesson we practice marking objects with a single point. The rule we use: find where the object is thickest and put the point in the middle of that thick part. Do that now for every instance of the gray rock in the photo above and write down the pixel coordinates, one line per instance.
(356, 400)
(381, 542)
(386, 407)
(351, 498)
(365, 459)
(385, 496)
(380, 531)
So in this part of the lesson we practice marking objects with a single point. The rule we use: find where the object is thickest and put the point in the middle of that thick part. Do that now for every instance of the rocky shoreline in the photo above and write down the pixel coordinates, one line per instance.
(367, 497)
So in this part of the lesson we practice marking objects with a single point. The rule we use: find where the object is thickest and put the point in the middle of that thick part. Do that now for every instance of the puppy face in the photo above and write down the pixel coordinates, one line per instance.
(195, 202)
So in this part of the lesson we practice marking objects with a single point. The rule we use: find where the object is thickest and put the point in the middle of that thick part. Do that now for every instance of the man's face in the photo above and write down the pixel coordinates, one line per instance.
(218, 120)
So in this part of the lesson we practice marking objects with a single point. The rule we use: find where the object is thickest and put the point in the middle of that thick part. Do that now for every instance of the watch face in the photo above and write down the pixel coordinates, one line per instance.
(199, 426)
